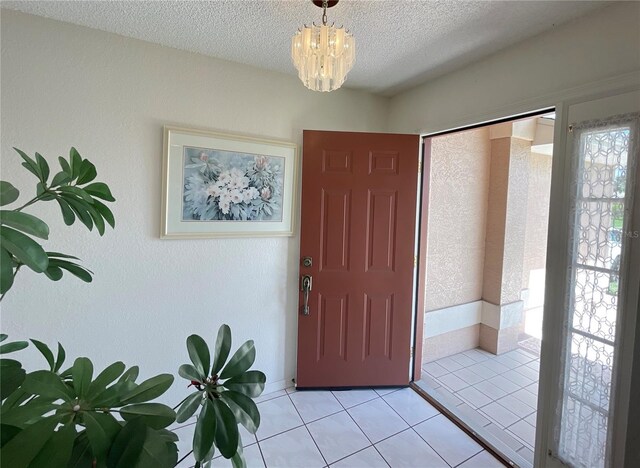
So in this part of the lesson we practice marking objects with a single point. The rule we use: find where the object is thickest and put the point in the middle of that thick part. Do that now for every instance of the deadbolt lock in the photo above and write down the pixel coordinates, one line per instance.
(307, 262)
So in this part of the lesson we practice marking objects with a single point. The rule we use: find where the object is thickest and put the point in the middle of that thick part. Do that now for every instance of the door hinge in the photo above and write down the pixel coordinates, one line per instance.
(411, 351)
(415, 261)
(419, 167)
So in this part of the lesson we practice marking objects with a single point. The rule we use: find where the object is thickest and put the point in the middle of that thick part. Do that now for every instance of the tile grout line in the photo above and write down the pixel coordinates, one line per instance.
(407, 422)
(454, 392)
(430, 446)
(264, 460)
(493, 421)
(308, 431)
(363, 432)
(315, 420)
(412, 427)
(347, 456)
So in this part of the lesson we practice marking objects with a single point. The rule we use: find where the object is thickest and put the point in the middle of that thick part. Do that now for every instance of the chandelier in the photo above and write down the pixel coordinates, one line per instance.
(323, 55)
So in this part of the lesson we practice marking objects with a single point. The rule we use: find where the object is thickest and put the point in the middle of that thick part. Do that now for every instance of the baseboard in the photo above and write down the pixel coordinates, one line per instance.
(271, 387)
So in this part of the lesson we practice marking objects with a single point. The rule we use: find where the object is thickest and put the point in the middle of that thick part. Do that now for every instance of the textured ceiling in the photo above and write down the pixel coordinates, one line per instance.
(399, 43)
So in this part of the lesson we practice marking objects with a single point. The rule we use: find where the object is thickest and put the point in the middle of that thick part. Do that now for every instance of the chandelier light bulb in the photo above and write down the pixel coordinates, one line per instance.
(323, 55)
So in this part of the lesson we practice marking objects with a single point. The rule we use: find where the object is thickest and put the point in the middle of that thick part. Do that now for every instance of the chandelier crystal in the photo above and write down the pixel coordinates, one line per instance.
(323, 55)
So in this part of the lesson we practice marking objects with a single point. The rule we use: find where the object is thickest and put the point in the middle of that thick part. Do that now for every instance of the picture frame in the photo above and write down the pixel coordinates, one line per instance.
(218, 185)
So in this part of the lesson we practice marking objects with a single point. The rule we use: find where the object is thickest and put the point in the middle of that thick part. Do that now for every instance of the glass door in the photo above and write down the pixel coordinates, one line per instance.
(600, 294)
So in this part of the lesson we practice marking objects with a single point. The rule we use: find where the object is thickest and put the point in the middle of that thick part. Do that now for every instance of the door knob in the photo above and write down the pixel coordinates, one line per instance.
(307, 281)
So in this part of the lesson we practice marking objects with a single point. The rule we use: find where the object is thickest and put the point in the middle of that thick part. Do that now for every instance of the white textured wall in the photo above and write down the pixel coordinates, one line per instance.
(458, 195)
(539, 71)
(109, 96)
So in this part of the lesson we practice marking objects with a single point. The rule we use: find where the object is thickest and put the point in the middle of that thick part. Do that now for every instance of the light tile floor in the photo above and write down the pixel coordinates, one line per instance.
(499, 393)
(352, 429)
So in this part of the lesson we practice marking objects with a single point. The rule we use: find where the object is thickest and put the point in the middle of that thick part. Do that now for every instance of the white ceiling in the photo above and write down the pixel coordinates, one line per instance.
(399, 43)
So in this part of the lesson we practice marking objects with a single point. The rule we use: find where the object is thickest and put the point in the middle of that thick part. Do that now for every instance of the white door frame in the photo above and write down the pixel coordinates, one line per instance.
(555, 298)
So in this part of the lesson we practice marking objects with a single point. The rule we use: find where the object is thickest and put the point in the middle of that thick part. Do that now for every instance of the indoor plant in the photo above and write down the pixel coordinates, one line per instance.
(56, 417)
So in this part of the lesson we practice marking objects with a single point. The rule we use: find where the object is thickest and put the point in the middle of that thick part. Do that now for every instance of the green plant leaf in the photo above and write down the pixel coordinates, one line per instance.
(25, 222)
(250, 383)
(238, 461)
(60, 178)
(100, 190)
(66, 374)
(168, 436)
(87, 172)
(189, 407)
(73, 268)
(104, 378)
(13, 347)
(54, 273)
(105, 212)
(226, 430)
(81, 454)
(241, 361)
(43, 166)
(113, 395)
(25, 249)
(15, 399)
(6, 271)
(127, 447)
(131, 374)
(157, 451)
(65, 166)
(76, 161)
(205, 431)
(8, 193)
(26, 414)
(61, 255)
(67, 213)
(8, 432)
(102, 429)
(155, 415)
(187, 371)
(29, 164)
(57, 451)
(41, 190)
(223, 346)
(3, 337)
(97, 219)
(12, 376)
(244, 409)
(24, 447)
(149, 389)
(45, 351)
(77, 192)
(60, 358)
(82, 371)
(48, 385)
(80, 209)
(199, 353)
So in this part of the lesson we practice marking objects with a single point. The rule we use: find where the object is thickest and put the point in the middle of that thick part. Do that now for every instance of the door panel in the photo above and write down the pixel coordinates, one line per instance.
(358, 227)
(588, 353)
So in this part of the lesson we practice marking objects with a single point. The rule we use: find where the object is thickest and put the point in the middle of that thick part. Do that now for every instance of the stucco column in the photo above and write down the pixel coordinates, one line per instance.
(502, 314)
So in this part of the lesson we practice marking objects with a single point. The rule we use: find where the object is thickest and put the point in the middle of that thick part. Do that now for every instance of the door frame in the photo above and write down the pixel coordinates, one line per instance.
(555, 294)
(422, 225)
(556, 264)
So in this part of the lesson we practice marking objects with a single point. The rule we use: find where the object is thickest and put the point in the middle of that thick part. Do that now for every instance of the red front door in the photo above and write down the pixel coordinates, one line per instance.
(358, 233)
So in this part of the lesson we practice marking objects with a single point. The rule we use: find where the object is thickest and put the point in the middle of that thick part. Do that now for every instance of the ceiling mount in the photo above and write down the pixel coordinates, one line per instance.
(330, 3)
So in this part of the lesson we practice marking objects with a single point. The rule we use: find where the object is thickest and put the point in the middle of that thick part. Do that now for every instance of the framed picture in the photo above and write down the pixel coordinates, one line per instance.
(218, 185)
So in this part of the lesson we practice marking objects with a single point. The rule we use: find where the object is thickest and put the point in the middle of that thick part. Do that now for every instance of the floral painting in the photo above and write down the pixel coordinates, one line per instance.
(228, 186)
